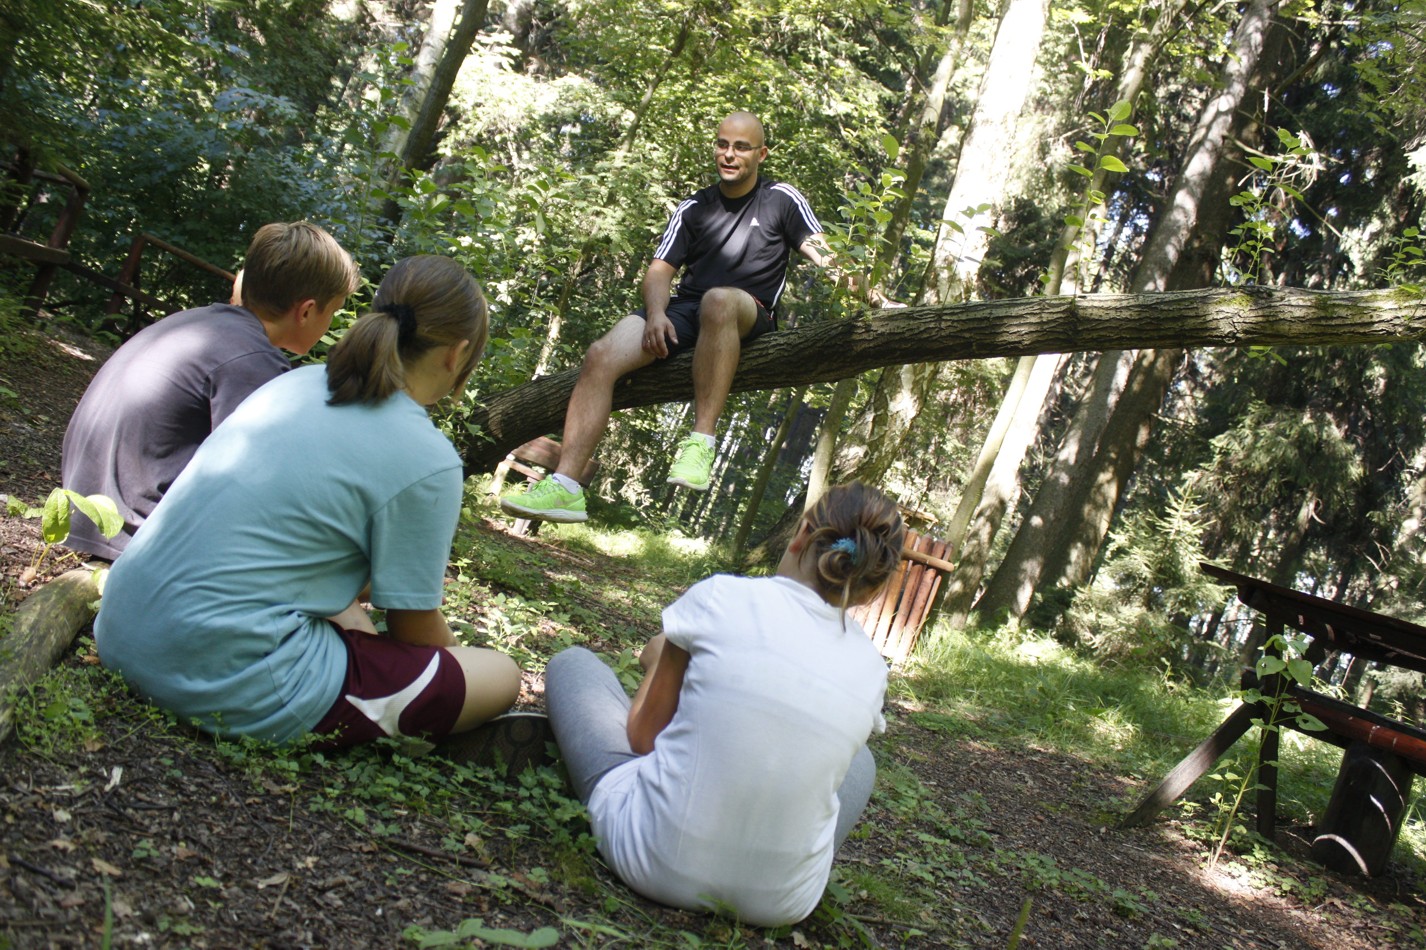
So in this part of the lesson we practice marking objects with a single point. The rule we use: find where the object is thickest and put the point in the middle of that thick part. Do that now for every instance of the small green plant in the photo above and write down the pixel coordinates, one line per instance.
(473, 928)
(1267, 203)
(1101, 159)
(1281, 665)
(57, 513)
(1406, 261)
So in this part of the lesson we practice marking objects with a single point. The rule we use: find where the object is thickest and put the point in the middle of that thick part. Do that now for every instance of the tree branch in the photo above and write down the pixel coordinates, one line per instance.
(833, 350)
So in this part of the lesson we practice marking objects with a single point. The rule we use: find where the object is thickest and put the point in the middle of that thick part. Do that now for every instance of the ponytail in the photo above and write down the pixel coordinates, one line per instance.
(423, 302)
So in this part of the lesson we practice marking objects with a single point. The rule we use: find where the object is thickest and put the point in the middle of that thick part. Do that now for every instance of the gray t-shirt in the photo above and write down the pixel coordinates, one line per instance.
(150, 406)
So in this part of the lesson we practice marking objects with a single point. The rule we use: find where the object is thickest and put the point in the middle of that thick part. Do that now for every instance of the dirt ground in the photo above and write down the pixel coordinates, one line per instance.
(178, 846)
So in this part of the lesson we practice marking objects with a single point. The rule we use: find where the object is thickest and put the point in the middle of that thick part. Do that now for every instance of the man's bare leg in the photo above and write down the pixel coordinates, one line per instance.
(616, 353)
(724, 318)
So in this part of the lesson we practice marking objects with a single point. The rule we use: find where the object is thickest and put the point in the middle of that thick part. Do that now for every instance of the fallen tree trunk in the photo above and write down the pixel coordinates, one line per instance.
(825, 352)
(43, 628)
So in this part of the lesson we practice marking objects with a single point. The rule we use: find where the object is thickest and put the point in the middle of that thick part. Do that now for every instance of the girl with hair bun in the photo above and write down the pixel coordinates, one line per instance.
(236, 606)
(741, 764)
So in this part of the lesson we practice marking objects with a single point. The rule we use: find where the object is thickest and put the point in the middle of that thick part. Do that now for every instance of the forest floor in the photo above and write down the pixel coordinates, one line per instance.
(118, 828)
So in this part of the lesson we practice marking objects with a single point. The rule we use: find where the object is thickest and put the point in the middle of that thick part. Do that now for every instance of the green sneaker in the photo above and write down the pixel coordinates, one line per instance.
(693, 464)
(546, 500)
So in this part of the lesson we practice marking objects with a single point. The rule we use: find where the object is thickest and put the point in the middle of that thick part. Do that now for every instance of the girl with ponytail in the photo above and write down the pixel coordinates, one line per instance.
(236, 605)
(741, 764)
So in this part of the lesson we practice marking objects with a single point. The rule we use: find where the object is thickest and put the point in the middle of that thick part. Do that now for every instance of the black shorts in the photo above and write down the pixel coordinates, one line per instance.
(683, 314)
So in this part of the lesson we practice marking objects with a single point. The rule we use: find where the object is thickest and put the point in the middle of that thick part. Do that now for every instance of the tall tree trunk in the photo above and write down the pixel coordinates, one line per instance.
(925, 130)
(908, 388)
(1010, 587)
(982, 183)
(421, 77)
(820, 477)
(982, 171)
(1071, 514)
(1002, 483)
(443, 51)
(759, 487)
(982, 179)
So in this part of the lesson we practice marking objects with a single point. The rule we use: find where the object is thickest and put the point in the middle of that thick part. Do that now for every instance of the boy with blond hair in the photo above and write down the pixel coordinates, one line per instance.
(160, 394)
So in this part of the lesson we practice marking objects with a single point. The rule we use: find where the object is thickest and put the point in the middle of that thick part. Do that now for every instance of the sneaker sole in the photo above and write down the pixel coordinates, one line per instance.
(510, 744)
(684, 483)
(560, 515)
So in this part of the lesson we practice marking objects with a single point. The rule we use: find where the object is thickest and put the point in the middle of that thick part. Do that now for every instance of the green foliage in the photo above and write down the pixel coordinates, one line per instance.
(1100, 157)
(55, 518)
(1268, 203)
(1406, 261)
(1281, 665)
(475, 929)
(1147, 586)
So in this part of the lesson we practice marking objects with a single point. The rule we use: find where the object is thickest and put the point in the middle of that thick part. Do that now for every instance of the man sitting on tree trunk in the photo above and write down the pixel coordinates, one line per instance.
(732, 240)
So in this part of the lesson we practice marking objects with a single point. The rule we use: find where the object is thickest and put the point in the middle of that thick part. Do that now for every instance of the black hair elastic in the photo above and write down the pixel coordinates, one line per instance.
(405, 318)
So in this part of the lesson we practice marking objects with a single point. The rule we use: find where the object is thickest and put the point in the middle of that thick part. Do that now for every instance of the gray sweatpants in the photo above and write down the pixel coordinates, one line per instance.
(589, 713)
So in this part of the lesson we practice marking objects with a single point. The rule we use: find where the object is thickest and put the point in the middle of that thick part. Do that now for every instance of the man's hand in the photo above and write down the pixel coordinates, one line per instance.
(659, 334)
(876, 298)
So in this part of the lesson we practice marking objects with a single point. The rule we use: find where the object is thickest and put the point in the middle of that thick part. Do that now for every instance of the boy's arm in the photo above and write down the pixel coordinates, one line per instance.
(657, 698)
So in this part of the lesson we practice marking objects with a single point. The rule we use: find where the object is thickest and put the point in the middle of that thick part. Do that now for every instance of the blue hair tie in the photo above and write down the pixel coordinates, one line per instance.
(846, 546)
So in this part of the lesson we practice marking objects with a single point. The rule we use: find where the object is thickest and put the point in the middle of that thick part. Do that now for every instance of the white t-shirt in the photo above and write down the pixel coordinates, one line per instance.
(737, 804)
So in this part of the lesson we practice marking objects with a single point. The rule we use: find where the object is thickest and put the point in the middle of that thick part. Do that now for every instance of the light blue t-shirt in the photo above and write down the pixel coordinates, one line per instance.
(215, 610)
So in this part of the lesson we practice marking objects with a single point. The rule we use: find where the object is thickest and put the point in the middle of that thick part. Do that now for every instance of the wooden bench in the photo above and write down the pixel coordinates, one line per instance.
(1364, 815)
(895, 617)
(543, 452)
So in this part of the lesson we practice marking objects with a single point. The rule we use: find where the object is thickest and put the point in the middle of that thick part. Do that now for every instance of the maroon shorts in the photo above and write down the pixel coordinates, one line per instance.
(391, 689)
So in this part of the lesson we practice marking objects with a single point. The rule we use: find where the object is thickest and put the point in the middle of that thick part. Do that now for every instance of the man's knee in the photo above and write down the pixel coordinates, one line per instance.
(728, 305)
(604, 357)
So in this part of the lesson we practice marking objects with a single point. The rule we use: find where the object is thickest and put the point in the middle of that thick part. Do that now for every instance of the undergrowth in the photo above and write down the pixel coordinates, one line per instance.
(939, 851)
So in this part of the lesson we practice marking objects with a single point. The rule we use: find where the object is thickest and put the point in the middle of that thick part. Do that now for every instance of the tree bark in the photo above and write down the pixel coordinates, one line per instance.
(44, 627)
(982, 171)
(925, 131)
(1072, 513)
(826, 352)
(764, 475)
(1001, 486)
(421, 78)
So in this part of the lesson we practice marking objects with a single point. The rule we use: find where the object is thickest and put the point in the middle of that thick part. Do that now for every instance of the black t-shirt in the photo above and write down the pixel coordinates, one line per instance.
(737, 242)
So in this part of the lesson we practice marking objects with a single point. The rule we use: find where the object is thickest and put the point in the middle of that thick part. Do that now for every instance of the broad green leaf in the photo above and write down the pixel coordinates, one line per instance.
(1084, 146)
(101, 510)
(1311, 723)
(1111, 164)
(1120, 110)
(543, 937)
(1074, 221)
(54, 523)
(1266, 164)
(1080, 170)
(1268, 665)
(1300, 670)
(1128, 131)
(892, 147)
